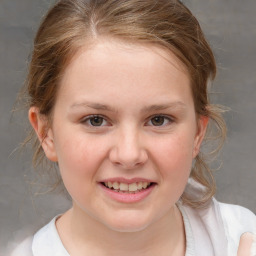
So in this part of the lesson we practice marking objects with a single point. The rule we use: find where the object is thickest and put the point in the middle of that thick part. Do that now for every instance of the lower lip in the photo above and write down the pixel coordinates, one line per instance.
(128, 197)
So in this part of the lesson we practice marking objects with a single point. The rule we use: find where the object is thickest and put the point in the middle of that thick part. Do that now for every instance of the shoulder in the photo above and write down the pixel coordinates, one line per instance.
(236, 221)
(235, 216)
(47, 241)
(219, 226)
(24, 248)
(206, 230)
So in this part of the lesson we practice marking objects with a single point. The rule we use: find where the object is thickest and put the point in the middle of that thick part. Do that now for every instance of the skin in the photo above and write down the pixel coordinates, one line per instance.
(246, 242)
(126, 86)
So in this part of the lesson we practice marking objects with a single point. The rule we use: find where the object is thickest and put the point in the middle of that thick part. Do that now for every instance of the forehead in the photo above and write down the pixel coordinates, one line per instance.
(110, 66)
(138, 55)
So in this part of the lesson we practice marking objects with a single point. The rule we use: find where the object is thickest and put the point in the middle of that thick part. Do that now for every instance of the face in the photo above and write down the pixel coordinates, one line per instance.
(124, 133)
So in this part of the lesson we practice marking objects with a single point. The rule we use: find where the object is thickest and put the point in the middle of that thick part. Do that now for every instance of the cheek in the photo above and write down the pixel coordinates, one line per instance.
(79, 157)
(175, 167)
(174, 155)
(79, 161)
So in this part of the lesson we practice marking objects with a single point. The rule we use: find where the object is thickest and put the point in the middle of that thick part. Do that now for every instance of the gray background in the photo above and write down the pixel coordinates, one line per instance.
(230, 26)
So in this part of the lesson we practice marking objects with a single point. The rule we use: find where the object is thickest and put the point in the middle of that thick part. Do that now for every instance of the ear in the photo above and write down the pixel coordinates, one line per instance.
(45, 135)
(201, 130)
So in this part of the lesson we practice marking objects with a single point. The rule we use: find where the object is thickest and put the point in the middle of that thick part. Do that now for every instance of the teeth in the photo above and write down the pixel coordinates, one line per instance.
(110, 184)
(123, 187)
(133, 187)
(144, 184)
(139, 185)
(116, 185)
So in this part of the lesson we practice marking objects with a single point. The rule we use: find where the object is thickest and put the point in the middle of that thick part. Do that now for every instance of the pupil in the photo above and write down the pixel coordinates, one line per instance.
(158, 120)
(96, 121)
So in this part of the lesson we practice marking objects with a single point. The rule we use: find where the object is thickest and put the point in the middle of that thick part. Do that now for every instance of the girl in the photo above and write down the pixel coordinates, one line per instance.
(117, 94)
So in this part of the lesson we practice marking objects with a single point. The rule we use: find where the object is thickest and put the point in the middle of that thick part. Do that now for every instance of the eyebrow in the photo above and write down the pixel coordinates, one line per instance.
(172, 105)
(93, 105)
(151, 108)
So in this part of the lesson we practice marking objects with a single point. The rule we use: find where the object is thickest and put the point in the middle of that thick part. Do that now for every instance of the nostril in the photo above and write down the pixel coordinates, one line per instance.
(127, 157)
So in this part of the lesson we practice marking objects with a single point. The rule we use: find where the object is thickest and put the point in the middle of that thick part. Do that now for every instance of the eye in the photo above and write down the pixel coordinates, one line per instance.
(159, 120)
(95, 120)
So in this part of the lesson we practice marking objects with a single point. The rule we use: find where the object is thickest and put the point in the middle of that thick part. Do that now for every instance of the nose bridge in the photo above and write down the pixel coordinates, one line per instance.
(128, 149)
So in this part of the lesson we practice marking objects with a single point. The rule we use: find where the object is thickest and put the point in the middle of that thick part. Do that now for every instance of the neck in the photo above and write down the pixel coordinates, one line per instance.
(164, 237)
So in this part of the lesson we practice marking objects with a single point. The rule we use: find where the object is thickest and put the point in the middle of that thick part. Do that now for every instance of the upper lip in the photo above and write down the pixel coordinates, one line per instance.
(127, 181)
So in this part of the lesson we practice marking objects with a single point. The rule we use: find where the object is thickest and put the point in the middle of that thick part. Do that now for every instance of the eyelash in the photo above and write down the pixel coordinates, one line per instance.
(104, 119)
(167, 118)
(90, 117)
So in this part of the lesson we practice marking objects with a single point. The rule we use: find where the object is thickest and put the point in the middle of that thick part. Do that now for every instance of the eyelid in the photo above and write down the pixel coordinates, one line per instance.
(88, 117)
(85, 119)
(171, 119)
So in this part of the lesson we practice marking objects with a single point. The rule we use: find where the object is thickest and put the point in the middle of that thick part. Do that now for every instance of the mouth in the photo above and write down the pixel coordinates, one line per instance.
(128, 188)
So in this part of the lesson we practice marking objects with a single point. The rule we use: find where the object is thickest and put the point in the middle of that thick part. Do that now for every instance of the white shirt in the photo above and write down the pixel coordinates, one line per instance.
(214, 231)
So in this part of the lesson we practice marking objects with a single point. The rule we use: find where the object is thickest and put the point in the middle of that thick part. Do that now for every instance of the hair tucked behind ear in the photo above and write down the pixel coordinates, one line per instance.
(72, 24)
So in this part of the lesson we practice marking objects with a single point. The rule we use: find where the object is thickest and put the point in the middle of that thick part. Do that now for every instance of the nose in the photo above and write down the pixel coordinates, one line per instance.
(128, 151)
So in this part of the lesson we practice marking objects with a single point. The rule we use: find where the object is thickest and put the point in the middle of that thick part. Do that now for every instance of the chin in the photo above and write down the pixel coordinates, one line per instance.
(128, 223)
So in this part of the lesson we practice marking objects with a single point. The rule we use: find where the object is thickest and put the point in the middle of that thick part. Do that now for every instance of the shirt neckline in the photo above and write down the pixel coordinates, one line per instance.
(190, 243)
(59, 249)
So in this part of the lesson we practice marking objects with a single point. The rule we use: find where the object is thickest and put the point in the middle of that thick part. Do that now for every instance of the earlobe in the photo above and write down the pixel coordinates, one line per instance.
(201, 130)
(43, 132)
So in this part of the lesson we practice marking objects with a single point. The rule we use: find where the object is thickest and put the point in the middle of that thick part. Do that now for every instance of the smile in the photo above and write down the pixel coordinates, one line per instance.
(127, 191)
(127, 188)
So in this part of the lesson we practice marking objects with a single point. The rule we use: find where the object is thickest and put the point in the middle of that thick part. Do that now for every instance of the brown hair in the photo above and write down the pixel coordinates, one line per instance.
(70, 24)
